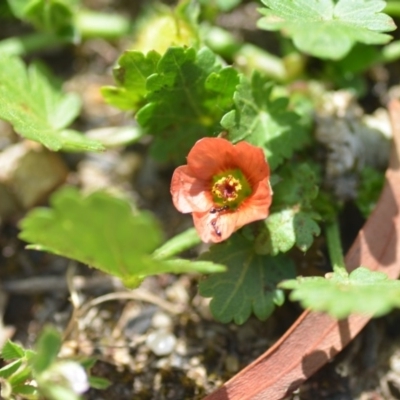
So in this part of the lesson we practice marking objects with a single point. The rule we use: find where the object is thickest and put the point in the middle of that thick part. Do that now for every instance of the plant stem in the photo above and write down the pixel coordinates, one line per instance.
(23, 45)
(392, 8)
(177, 244)
(335, 247)
(90, 24)
(101, 25)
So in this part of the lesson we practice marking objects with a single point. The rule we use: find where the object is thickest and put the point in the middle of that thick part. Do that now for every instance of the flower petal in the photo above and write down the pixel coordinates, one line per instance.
(214, 228)
(256, 207)
(189, 194)
(210, 156)
(251, 161)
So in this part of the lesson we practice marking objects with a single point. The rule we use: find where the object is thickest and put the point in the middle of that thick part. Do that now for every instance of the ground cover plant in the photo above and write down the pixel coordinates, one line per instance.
(215, 147)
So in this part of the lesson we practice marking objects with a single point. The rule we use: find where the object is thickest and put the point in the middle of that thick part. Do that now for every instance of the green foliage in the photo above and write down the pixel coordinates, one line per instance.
(371, 184)
(265, 121)
(39, 374)
(179, 97)
(182, 241)
(12, 350)
(102, 231)
(249, 284)
(292, 220)
(180, 92)
(37, 108)
(51, 16)
(47, 347)
(17, 373)
(325, 28)
(131, 75)
(341, 294)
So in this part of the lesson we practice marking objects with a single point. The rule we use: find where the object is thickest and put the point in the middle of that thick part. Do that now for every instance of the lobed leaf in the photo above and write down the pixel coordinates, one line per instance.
(11, 351)
(264, 121)
(131, 75)
(37, 109)
(102, 231)
(292, 221)
(361, 292)
(181, 108)
(328, 29)
(287, 228)
(179, 97)
(249, 283)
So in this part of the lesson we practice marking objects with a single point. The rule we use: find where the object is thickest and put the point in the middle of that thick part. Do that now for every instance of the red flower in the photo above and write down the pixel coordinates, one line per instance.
(224, 186)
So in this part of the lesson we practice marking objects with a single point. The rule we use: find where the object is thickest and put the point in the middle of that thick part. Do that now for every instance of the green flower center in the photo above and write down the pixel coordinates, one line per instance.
(229, 189)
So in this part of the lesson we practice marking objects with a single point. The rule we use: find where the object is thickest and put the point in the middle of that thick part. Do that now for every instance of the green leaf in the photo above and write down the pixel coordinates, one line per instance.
(327, 29)
(21, 376)
(371, 184)
(264, 121)
(214, 6)
(359, 59)
(131, 75)
(182, 107)
(116, 136)
(27, 391)
(88, 363)
(37, 109)
(12, 350)
(10, 369)
(361, 292)
(52, 16)
(182, 96)
(292, 220)
(99, 383)
(54, 391)
(177, 244)
(102, 231)
(297, 185)
(227, 5)
(47, 347)
(248, 285)
(286, 228)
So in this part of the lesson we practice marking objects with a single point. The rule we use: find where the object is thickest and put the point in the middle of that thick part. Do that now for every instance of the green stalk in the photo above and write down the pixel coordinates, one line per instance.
(100, 25)
(335, 250)
(250, 57)
(392, 8)
(89, 24)
(184, 241)
(23, 45)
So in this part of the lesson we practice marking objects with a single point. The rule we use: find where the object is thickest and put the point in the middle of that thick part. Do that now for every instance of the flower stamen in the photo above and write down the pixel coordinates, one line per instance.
(227, 188)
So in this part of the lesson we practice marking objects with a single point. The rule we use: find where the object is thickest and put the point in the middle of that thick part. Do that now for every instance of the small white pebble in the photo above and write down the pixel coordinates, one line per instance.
(194, 361)
(161, 342)
(177, 361)
(395, 362)
(181, 348)
(161, 320)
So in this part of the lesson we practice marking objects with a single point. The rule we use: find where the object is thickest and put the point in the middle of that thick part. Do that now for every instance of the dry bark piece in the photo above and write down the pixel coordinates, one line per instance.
(315, 338)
